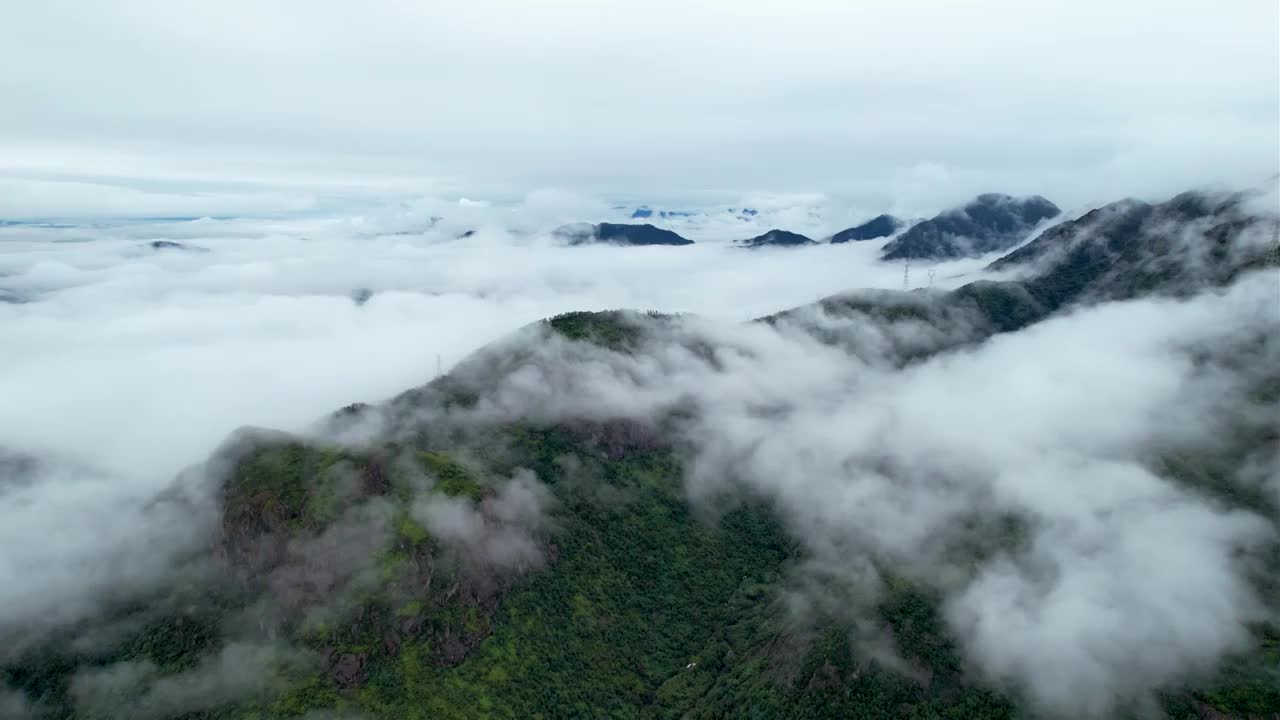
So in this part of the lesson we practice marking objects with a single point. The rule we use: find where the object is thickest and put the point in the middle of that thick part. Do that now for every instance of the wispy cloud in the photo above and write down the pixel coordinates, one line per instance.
(1124, 581)
(632, 97)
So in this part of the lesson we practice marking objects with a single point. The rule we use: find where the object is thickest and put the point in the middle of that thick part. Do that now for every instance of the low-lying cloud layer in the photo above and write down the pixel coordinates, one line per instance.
(125, 364)
(130, 363)
(1120, 581)
(263, 330)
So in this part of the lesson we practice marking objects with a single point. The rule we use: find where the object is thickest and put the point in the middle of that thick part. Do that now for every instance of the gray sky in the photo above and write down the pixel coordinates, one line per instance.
(126, 364)
(922, 103)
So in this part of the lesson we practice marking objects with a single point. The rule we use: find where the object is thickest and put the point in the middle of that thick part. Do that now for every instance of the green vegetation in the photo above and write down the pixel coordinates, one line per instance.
(635, 590)
(646, 611)
(617, 330)
(451, 477)
(643, 609)
(1249, 686)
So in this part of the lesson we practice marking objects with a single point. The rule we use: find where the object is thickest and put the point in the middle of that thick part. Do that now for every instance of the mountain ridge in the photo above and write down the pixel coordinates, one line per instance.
(988, 223)
(878, 227)
(620, 234)
(776, 238)
(440, 549)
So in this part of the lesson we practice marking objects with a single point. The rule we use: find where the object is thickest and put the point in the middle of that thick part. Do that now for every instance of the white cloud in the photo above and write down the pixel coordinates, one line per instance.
(1082, 102)
(129, 364)
(135, 689)
(1127, 582)
(496, 536)
(353, 127)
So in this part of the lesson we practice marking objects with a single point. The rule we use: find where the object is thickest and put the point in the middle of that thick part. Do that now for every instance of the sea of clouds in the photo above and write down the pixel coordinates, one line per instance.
(126, 363)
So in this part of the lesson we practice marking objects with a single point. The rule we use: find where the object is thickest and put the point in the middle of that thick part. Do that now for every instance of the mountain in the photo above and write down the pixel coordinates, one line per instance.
(171, 245)
(776, 238)
(492, 544)
(1126, 250)
(619, 234)
(877, 227)
(1130, 248)
(645, 211)
(988, 223)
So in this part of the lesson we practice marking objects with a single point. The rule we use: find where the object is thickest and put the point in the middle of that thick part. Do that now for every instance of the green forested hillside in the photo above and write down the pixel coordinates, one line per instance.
(645, 608)
(461, 562)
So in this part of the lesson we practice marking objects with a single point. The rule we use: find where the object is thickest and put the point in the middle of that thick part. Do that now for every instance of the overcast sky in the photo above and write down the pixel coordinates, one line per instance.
(890, 101)
(334, 132)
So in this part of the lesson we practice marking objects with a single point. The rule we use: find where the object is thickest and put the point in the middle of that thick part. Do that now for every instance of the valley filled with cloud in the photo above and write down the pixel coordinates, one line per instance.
(882, 360)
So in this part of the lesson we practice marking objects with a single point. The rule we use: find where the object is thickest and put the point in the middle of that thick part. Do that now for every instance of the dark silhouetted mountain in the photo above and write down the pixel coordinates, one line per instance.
(1119, 219)
(637, 235)
(647, 212)
(171, 245)
(1131, 248)
(989, 223)
(620, 234)
(878, 227)
(416, 572)
(777, 238)
(1128, 249)
(36, 223)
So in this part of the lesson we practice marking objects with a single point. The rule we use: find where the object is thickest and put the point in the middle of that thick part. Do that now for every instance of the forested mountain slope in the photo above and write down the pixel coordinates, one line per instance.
(635, 515)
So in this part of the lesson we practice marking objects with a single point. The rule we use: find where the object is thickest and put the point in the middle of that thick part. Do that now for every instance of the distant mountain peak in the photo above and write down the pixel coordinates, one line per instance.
(619, 234)
(989, 222)
(1131, 248)
(777, 238)
(644, 211)
(171, 245)
(877, 227)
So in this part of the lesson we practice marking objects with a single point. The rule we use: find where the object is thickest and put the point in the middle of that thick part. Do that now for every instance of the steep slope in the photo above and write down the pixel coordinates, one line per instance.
(877, 227)
(493, 545)
(620, 234)
(378, 577)
(1130, 248)
(1125, 250)
(988, 223)
(424, 576)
